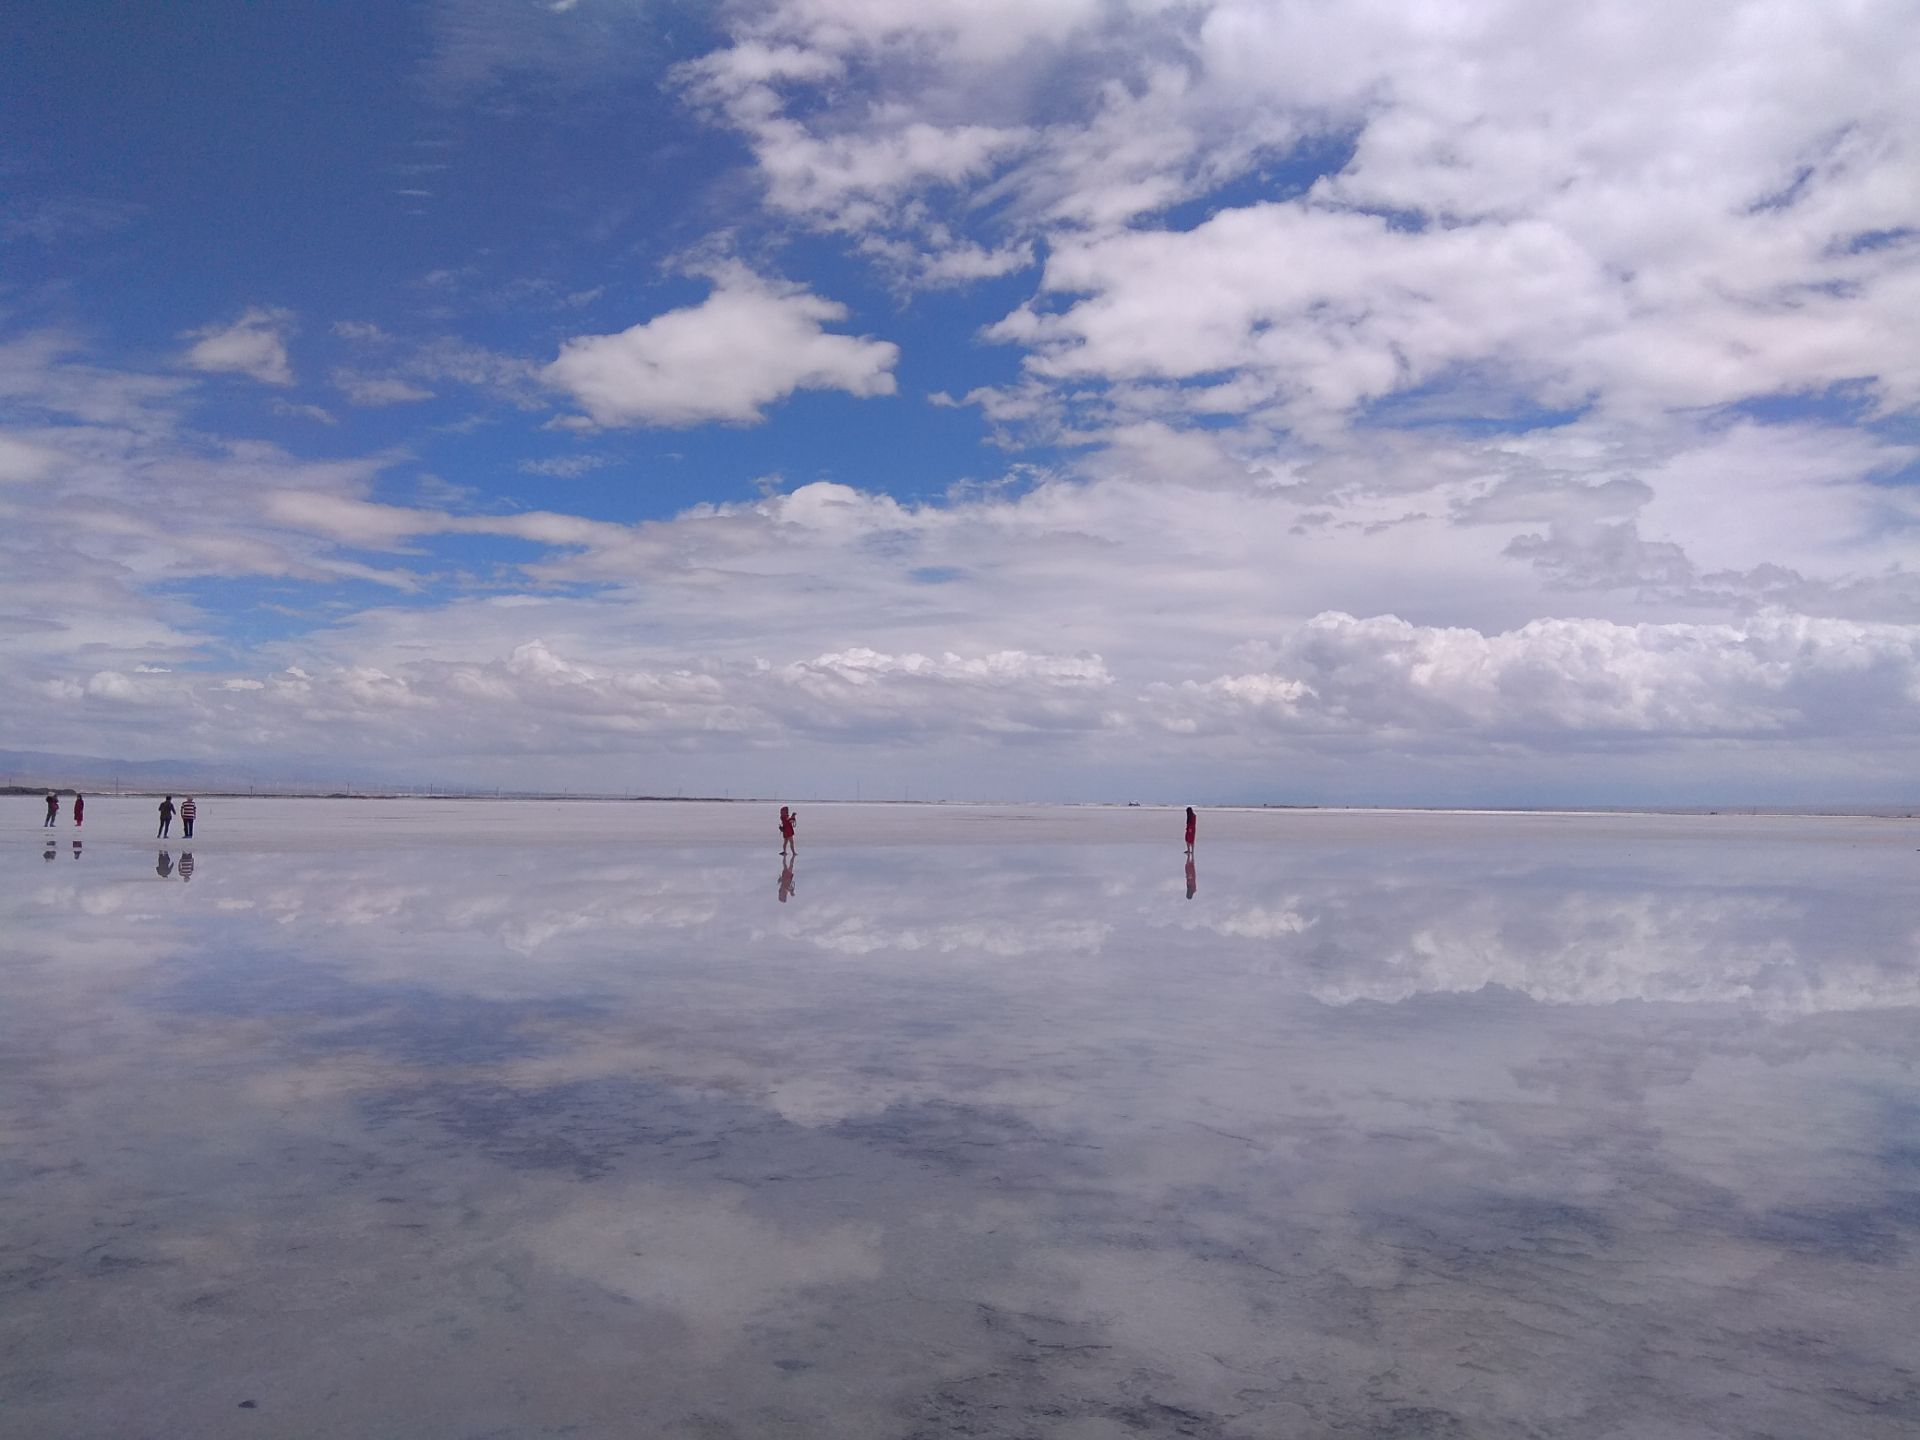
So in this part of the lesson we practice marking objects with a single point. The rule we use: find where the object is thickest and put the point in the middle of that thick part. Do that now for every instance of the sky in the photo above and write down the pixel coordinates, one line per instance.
(1273, 401)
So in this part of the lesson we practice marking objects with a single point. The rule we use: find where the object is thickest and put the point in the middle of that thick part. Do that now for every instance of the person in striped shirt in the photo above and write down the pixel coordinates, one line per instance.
(187, 811)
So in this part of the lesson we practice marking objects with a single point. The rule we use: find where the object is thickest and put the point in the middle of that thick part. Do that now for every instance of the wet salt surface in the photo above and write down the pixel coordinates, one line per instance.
(464, 1120)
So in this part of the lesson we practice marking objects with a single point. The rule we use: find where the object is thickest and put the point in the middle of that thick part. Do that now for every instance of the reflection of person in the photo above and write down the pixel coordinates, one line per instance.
(1192, 820)
(1193, 880)
(786, 882)
(76, 849)
(166, 817)
(186, 865)
(787, 819)
(187, 811)
(79, 808)
(163, 867)
(53, 808)
(50, 848)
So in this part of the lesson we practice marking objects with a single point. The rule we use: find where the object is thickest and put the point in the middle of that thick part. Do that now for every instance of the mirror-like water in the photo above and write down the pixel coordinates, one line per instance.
(474, 1119)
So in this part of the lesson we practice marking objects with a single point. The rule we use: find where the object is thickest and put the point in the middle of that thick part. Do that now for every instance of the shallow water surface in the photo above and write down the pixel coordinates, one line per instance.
(468, 1119)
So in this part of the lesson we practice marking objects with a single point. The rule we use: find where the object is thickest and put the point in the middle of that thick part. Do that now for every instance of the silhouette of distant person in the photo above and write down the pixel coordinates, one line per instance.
(187, 811)
(53, 808)
(786, 882)
(787, 819)
(1193, 880)
(1192, 822)
(79, 808)
(163, 867)
(166, 818)
(186, 865)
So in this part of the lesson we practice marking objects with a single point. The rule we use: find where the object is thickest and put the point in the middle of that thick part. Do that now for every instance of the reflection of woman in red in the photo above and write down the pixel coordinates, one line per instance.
(787, 817)
(1191, 821)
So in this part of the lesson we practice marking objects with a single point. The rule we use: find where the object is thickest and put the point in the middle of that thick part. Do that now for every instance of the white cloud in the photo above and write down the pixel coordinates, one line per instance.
(1005, 692)
(1318, 311)
(375, 390)
(748, 345)
(973, 32)
(1201, 604)
(564, 467)
(846, 176)
(255, 345)
(1638, 211)
(1774, 675)
(57, 219)
(304, 412)
(21, 461)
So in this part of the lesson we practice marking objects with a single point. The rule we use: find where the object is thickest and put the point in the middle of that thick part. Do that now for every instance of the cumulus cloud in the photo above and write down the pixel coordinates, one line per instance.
(1553, 680)
(748, 345)
(1634, 215)
(255, 345)
(1211, 603)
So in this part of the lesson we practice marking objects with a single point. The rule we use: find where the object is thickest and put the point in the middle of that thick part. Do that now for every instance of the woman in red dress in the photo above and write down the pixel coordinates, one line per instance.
(1191, 821)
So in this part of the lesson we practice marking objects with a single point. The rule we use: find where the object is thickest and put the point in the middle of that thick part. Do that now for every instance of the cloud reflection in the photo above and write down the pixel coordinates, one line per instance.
(1038, 1138)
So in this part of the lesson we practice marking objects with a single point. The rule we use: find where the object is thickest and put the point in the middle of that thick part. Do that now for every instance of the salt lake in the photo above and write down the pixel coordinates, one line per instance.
(503, 1119)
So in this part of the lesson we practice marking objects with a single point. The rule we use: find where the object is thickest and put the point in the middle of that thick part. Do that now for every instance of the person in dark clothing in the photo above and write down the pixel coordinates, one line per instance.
(187, 811)
(1192, 821)
(53, 808)
(166, 818)
(79, 808)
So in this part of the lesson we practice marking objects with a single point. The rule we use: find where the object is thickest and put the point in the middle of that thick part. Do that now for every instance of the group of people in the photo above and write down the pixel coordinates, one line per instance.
(186, 810)
(53, 808)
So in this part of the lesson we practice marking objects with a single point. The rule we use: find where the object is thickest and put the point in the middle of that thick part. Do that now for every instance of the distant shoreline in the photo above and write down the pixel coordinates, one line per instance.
(1878, 812)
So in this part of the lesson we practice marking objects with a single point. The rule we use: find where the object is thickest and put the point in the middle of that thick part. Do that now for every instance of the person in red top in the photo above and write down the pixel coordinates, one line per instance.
(187, 811)
(79, 808)
(1192, 820)
(787, 817)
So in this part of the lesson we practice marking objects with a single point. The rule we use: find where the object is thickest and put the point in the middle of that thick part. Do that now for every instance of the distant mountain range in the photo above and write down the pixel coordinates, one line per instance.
(39, 769)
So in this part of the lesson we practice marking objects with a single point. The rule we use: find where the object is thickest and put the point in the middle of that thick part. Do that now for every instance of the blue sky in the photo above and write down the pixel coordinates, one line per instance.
(1227, 399)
